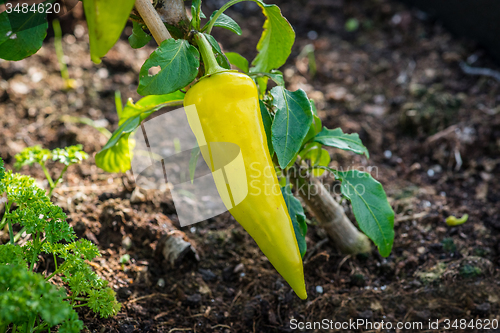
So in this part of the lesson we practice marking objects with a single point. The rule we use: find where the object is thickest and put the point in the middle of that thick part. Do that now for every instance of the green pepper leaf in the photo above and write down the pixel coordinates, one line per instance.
(116, 155)
(298, 218)
(275, 75)
(196, 13)
(138, 38)
(319, 157)
(314, 129)
(238, 61)
(261, 82)
(105, 20)
(370, 207)
(179, 62)
(16, 40)
(226, 22)
(275, 44)
(152, 102)
(219, 55)
(338, 139)
(313, 105)
(268, 122)
(291, 123)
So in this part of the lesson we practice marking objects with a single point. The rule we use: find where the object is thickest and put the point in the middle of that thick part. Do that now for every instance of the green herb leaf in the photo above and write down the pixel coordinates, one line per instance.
(370, 207)
(226, 22)
(338, 139)
(291, 123)
(297, 216)
(105, 20)
(25, 295)
(30, 155)
(69, 155)
(238, 61)
(276, 42)
(17, 42)
(179, 62)
(138, 38)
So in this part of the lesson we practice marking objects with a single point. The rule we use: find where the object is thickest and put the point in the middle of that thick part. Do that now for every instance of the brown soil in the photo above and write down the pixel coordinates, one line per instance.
(395, 81)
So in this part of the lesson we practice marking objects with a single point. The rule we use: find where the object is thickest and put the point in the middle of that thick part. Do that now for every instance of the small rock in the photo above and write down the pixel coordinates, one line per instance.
(366, 314)
(160, 283)
(79, 197)
(229, 292)
(416, 283)
(483, 308)
(127, 243)
(374, 110)
(207, 275)
(126, 328)
(124, 293)
(19, 88)
(319, 289)
(137, 196)
(240, 267)
(194, 299)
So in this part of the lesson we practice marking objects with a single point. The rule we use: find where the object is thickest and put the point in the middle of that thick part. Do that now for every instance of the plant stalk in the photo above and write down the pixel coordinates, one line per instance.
(54, 184)
(211, 65)
(11, 233)
(210, 25)
(47, 175)
(63, 266)
(4, 218)
(19, 234)
(152, 20)
(329, 214)
(59, 49)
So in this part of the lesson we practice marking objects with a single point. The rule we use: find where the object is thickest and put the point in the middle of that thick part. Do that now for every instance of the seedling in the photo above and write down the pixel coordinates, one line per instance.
(36, 154)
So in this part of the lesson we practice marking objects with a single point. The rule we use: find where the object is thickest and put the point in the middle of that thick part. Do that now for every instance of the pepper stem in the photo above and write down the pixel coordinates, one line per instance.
(211, 65)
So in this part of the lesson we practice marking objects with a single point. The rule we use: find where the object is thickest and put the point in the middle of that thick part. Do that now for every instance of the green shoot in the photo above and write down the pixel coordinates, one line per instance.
(68, 83)
(36, 154)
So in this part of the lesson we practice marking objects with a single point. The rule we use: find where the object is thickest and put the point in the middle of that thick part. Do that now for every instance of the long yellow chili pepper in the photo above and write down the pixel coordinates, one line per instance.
(227, 106)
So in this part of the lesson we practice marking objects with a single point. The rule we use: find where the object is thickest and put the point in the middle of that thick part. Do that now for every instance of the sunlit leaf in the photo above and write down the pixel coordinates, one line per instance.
(105, 21)
(178, 62)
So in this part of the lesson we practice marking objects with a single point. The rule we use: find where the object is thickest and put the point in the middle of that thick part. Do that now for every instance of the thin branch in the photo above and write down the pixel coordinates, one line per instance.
(152, 20)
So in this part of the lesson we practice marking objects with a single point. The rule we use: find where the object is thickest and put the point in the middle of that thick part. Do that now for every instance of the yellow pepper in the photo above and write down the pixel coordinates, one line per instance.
(227, 106)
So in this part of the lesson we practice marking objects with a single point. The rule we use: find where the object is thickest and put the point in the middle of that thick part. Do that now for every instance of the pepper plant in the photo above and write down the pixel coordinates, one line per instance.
(29, 301)
(286, 132)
